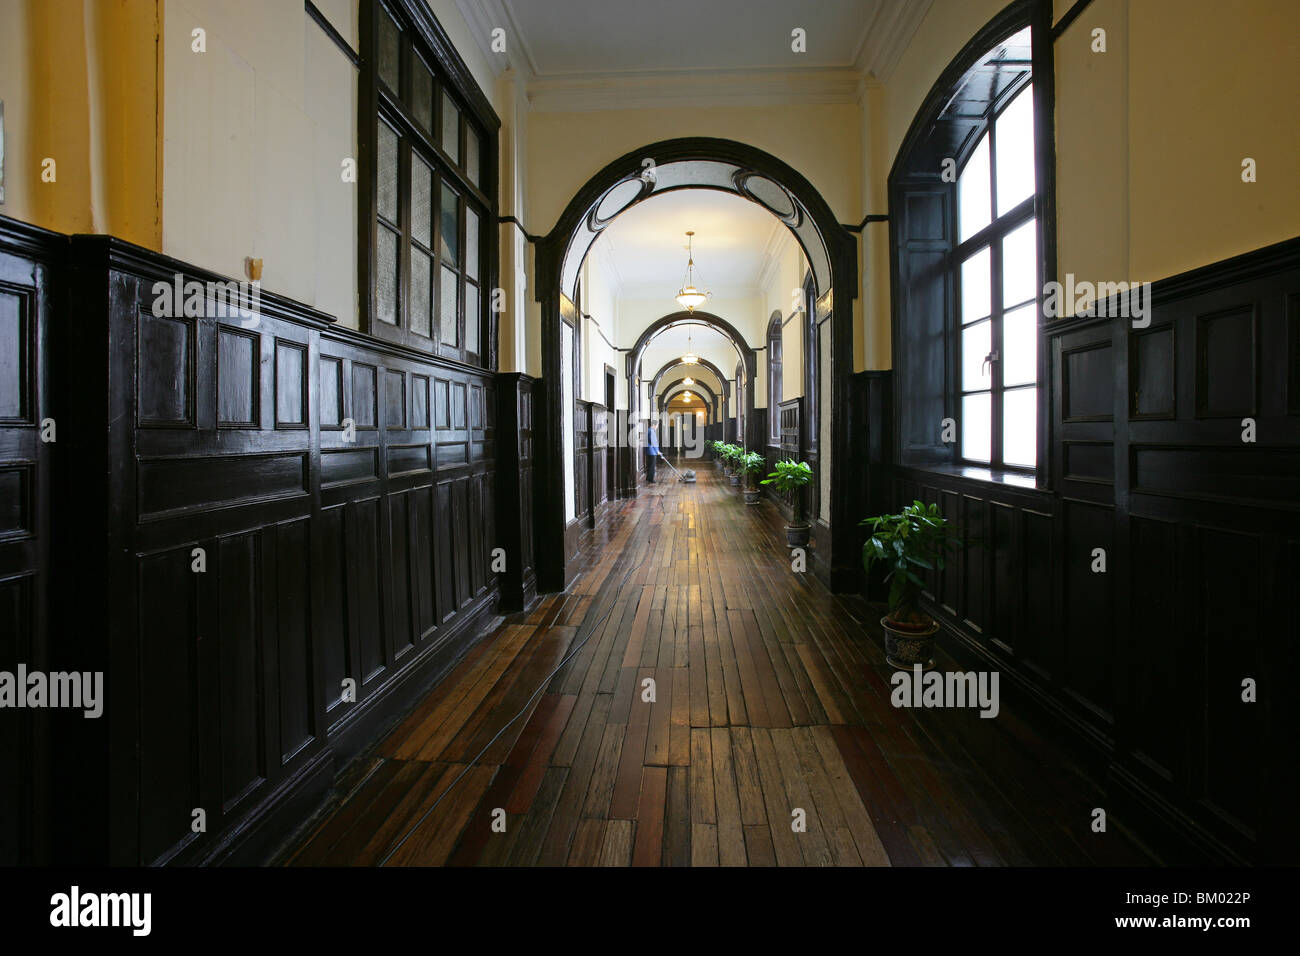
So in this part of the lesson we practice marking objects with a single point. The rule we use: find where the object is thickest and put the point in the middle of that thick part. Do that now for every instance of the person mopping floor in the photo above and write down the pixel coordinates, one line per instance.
(651, 452)
(652, 456)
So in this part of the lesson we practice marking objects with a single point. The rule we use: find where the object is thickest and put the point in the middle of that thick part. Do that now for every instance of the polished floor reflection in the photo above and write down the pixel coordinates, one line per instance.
(771, 707)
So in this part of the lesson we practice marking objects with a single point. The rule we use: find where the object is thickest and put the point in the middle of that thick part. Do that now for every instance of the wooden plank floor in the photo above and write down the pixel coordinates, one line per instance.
(770, 706)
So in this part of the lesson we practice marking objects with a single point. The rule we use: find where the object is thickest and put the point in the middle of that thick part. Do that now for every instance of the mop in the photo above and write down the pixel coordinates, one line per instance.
(689, 476)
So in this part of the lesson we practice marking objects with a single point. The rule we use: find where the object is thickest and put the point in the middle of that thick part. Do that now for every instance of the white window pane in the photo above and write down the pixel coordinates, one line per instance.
(386, 276)
(471, 243)
(1015, 159)
(390, 51)
(386, 163)
(1020, 346)
(973, 198)
(1020, 265)
(472, 160)
(447, 317)
(976, 282)
(421, 292)
(976, 421)
(449, 226)
(975, 346)
(422, 93)
(421, 201)
(471, 318)
(450, 129)
(1020, 427)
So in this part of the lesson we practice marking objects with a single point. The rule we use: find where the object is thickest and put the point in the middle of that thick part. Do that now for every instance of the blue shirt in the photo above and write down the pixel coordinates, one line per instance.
(652, 441)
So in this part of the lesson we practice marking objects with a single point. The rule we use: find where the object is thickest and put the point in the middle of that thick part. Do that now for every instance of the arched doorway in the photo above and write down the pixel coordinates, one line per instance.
(722, 397)
(747, 360)
(831, 252)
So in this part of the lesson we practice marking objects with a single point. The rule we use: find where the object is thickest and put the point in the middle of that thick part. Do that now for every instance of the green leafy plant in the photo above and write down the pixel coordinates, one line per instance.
(750, 464)
(914, 540)
(731, 454)
(789, 478)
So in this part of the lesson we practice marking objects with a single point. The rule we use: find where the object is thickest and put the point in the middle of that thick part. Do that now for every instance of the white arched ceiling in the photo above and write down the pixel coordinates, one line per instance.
(642, 258)
(706, 342)
(679, 372)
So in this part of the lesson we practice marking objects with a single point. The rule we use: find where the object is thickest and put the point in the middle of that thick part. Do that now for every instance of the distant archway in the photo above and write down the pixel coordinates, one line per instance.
(702, 363)
(676, 388)
(831, 251)
(745, 354)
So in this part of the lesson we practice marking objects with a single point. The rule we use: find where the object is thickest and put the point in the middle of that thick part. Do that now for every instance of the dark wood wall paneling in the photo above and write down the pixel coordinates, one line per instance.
(27, 257)
(516, 394)
(591, 441)
(326, 559)
(1201, 532)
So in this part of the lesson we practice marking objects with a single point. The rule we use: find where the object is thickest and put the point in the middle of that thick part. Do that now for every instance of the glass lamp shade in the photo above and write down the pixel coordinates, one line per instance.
(690, 358)
(686, 396)
(691, 298)
(688, 380)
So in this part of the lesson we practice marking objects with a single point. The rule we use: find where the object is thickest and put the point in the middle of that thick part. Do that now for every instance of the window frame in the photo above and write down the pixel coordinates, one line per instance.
(991, 237)
(422, 38)
(923, 221)
(775, 350)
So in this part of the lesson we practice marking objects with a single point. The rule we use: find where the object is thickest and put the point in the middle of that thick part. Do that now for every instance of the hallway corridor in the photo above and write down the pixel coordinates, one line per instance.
(771, 696)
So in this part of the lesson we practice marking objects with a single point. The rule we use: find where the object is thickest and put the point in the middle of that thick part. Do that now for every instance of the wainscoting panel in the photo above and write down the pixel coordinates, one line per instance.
(29, 257)
(278, 532)
(1140, 595)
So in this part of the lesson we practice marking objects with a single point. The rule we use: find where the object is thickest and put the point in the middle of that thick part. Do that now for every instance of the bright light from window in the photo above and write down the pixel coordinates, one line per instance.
(973, 192)
(1015, 151)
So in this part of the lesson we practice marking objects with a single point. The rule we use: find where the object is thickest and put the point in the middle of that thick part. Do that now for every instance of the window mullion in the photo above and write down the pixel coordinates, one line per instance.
(996, 345)
(462, 268)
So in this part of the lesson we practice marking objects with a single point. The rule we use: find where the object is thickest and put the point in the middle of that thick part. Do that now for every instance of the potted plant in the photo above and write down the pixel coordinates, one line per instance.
(789, 478)
(718, 461)
(751, 463)
(914, 540)
(734, 454)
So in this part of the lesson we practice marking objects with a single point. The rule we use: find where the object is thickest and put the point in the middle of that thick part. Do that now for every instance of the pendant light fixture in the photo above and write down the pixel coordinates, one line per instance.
(690, 358)
(688, 296)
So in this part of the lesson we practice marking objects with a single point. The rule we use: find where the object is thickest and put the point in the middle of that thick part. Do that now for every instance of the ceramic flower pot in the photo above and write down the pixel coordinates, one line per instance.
(796, 535)
(905, 647)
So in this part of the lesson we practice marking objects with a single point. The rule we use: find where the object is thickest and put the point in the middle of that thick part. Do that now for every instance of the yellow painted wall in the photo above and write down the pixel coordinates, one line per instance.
(1150, 135)
(257, 126)
(79, 83)
(820, 141)
(1210, 84)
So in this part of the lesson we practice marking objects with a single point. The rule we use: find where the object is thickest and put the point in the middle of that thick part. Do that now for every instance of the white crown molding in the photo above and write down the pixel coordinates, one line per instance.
(885, 36)
(484, 16)
(697, 88)
(892, 29)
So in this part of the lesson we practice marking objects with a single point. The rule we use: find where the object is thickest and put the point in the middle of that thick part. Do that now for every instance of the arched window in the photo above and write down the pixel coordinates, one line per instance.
(774, 379)
(970, 215)
(995, 273)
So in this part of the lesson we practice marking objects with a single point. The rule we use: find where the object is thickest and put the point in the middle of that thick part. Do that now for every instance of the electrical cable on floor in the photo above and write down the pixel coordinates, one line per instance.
(529, 703)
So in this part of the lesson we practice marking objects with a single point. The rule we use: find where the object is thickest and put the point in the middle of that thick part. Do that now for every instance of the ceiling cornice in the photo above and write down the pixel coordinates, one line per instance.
(484, 16)
(885, 37)
(892, 29)
(698, 89)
